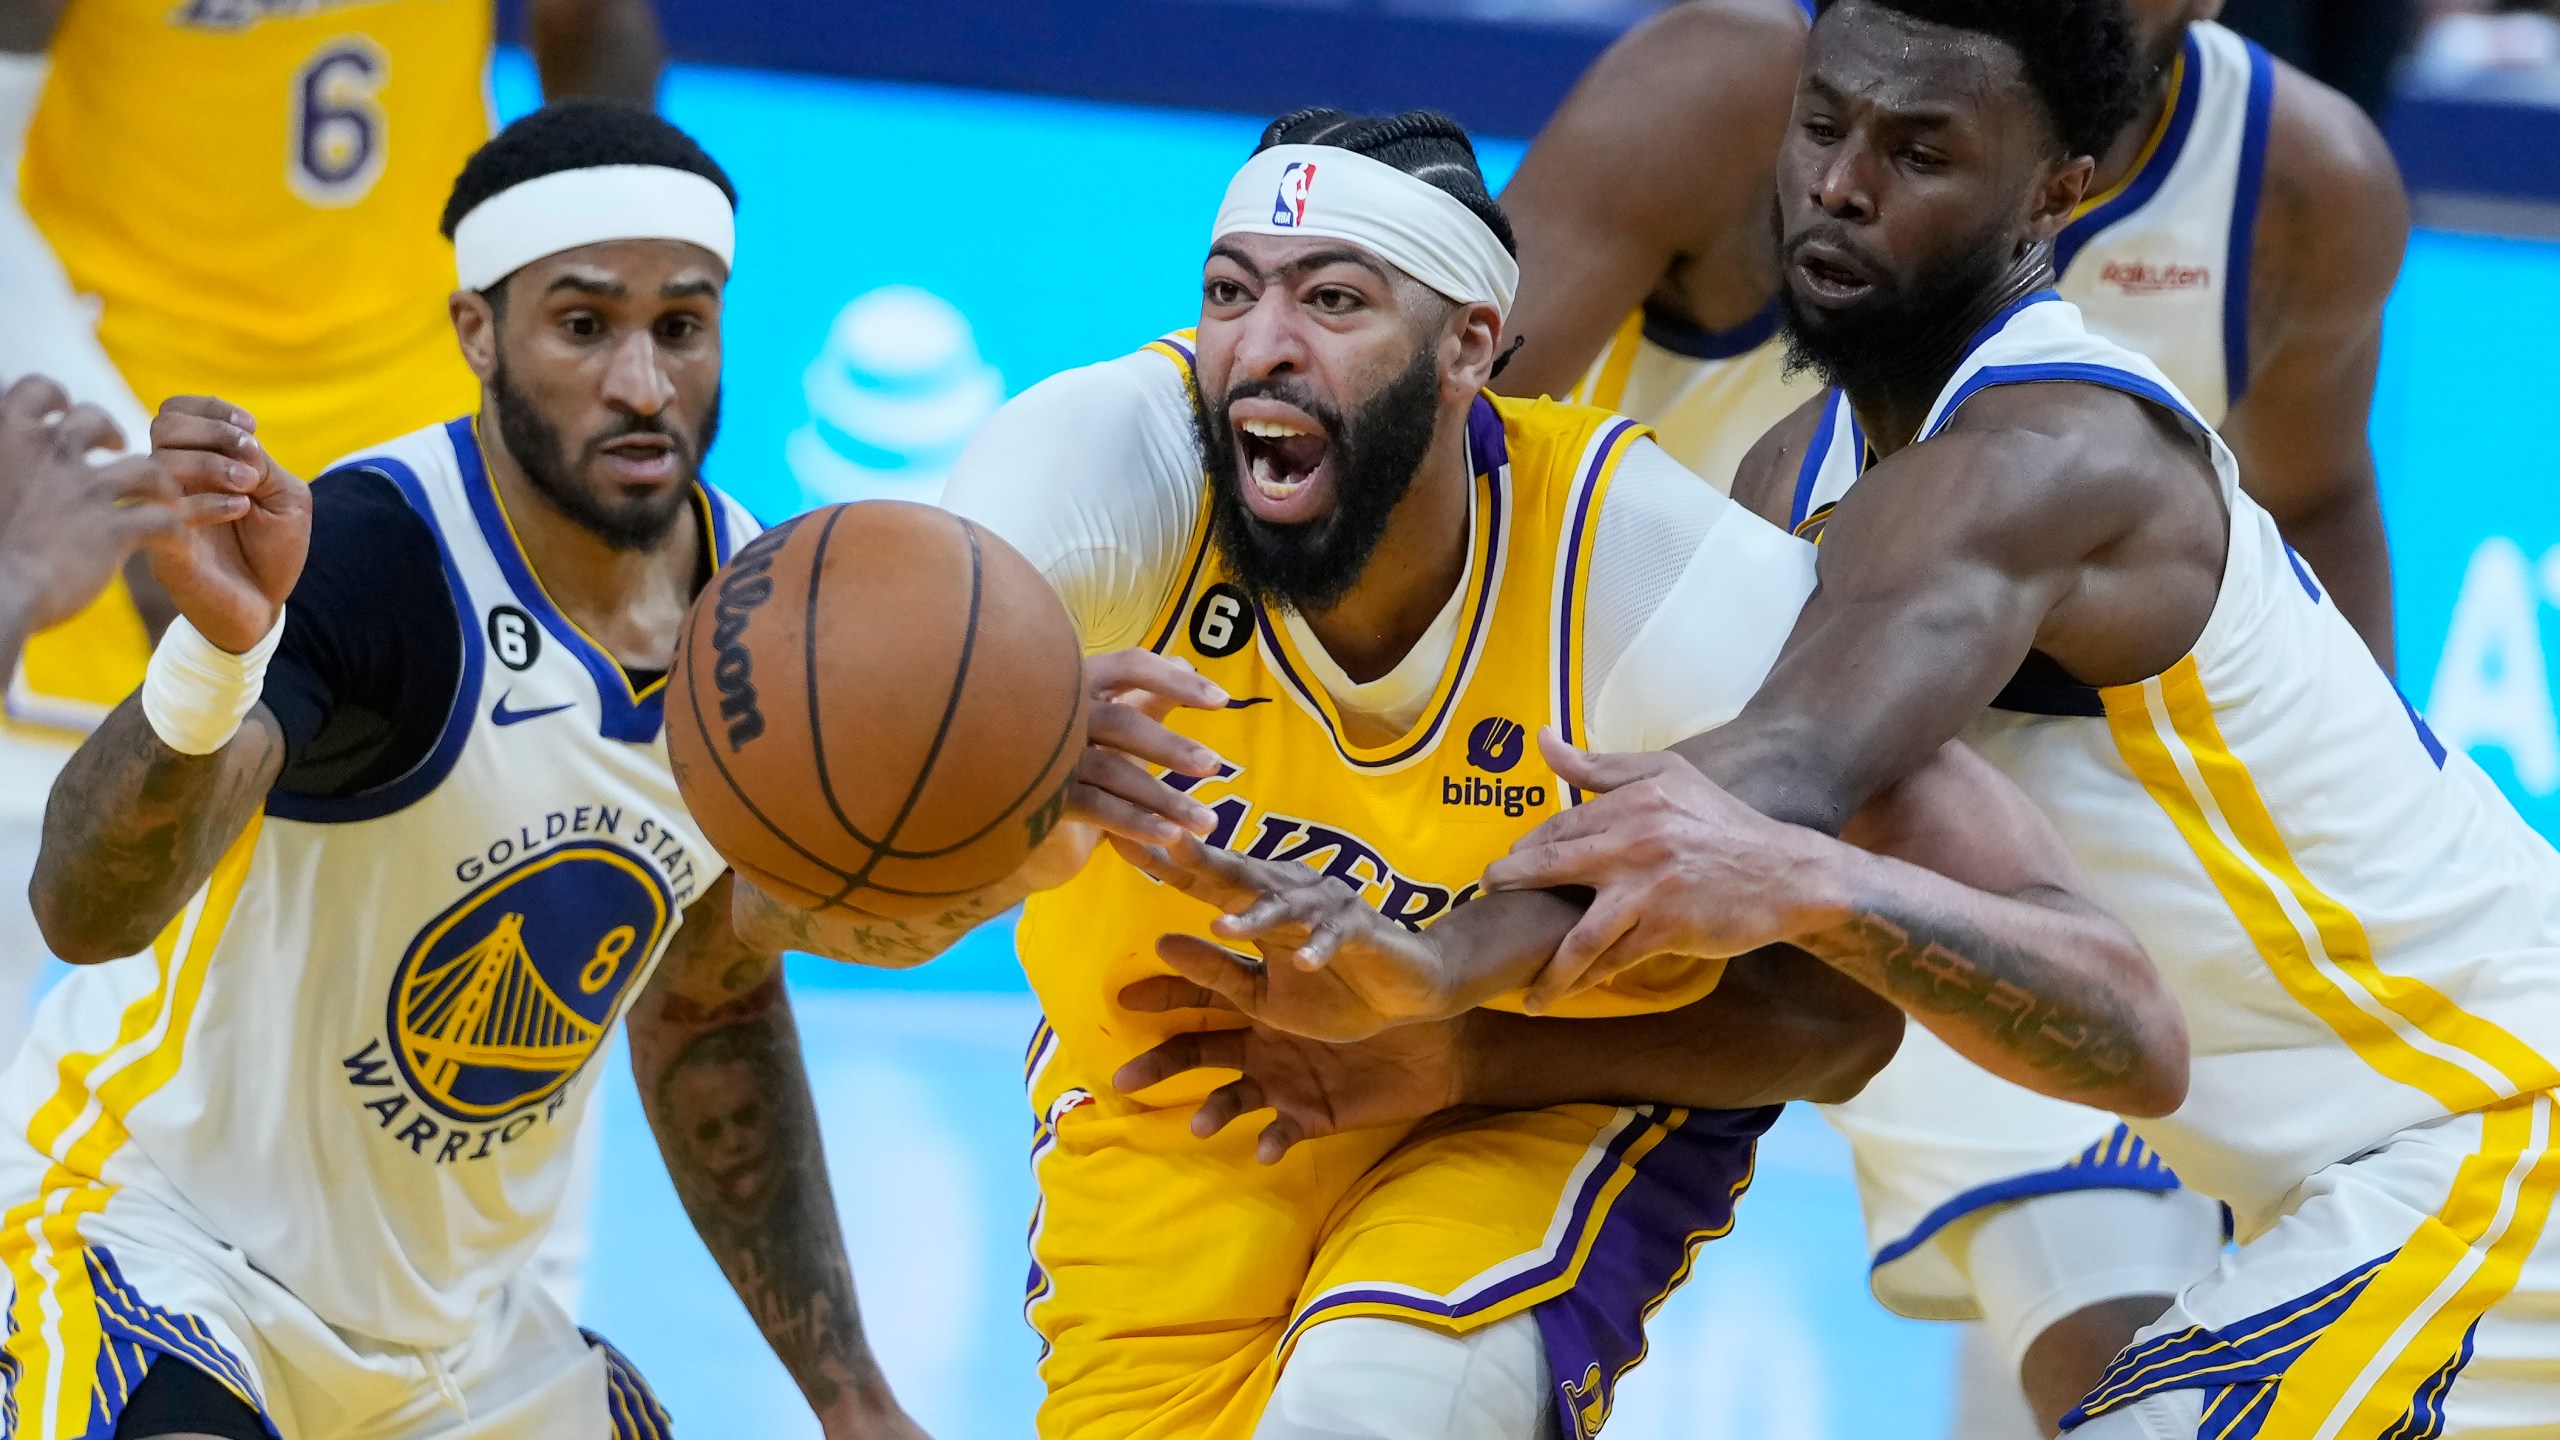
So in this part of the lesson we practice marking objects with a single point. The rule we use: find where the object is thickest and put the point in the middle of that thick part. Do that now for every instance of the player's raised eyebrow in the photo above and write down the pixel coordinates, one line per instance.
(1300, 265)
(689, 289)
(606, 288)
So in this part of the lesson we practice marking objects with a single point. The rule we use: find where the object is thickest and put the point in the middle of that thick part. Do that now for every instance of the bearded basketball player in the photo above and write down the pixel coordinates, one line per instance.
(395, 800)
(2242, 231)
(2030, 537)
(1385, 580)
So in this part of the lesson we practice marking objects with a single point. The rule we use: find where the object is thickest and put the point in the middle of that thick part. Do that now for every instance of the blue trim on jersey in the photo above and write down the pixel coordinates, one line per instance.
(2302, 572)
(2155, 170)
(2000, 322)
(2244, 225)
(2418, 722)
(1808, 7)
(2119, 1162)
(631, 716)
(1810, 472)
(397, 795)
(2238, 1365)
(1681, 337)
(2073, 371)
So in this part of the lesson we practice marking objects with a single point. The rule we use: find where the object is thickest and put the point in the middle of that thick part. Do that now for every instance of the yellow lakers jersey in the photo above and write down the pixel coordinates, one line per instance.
(1395, 1222)
(1412, 821)
(1708, 395)
(251, 189)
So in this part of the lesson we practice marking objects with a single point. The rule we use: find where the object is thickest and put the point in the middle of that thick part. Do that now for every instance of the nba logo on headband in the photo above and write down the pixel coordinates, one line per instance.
(1289, 206)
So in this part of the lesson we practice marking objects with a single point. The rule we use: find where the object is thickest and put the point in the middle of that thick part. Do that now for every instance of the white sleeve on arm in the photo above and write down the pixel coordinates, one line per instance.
(1692, 597)
(1094, 476)
(45, 329)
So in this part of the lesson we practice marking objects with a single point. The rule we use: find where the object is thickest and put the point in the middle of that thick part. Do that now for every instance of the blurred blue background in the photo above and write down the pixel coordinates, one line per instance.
(908, 255)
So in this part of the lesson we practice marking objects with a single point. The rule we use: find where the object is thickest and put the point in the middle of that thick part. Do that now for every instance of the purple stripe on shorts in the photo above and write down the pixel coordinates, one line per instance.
(1683, 1193)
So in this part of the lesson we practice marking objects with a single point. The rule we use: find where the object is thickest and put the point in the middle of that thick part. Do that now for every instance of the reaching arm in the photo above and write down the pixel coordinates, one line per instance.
(1951, 896)
(608, 49)
(717, 1060)
(2333, 228)
(134, 826)
(1661, 157)
(1780, 1027)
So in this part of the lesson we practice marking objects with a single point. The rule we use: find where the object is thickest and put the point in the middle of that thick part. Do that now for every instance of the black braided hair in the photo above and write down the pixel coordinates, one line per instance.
(576, 135)
(2078, 56)
(1424, 144)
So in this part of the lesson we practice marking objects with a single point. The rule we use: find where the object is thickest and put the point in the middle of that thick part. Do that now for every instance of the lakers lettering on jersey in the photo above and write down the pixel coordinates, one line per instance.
(1591, 562)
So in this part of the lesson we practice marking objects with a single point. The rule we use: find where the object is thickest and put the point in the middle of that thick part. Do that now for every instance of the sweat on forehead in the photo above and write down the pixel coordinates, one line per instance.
(2074, 58)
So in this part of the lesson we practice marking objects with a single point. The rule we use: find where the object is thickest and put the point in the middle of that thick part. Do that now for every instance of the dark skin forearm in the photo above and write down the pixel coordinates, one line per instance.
(134, 828)
(1779, 1027)
(605, 49)
(717, 1059)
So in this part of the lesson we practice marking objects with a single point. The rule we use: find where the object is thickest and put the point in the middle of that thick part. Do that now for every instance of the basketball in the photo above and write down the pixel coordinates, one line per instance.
(876, 705)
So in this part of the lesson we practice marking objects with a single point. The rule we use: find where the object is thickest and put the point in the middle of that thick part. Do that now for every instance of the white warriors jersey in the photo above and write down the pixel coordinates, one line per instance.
(361, 1053)
(2362, 933)
(2159, 263)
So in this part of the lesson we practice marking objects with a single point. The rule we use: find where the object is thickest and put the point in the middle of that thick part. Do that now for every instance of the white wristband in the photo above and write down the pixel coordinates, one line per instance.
(195, 693)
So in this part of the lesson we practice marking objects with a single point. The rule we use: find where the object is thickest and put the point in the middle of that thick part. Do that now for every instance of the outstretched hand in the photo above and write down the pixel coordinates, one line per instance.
(1314, 1088)
(65, 524)
(1330, 967)
(1112, 792)
(1676, 866)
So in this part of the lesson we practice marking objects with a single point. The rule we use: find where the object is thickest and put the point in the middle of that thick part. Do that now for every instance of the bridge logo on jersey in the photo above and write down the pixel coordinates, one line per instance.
(1289, 206)
(505, 995)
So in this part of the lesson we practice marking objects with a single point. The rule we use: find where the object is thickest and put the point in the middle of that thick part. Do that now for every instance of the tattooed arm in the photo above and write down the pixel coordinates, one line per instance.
(1949, 894)
(718, 1063)
(134, 827)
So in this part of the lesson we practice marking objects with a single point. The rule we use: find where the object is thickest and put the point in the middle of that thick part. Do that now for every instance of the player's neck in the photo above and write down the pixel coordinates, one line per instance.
(1414, 570)
(631, 602)
(1892, 409)
(2127, 149)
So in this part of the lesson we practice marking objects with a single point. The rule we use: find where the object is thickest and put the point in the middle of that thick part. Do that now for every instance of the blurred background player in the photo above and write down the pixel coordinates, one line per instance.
(394, 796)
(238, 197)
(2243, 230)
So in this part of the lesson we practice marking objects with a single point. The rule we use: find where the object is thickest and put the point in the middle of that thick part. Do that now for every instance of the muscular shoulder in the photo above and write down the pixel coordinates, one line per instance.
(1698, 89)
(1094, 475)
(2334, 215)
(1765, 482)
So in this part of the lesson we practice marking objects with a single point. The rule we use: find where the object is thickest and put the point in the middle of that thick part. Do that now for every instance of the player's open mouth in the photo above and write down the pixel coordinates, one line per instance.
(640, 459)
(1828, 277)
(1281, 454)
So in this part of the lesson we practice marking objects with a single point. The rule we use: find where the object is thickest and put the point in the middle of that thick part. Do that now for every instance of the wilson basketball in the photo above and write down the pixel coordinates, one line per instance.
(876, 705)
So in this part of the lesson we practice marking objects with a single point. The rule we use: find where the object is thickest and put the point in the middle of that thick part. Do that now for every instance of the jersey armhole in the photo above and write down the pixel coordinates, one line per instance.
(1578, 540)
(1158, 636)
(421, 779)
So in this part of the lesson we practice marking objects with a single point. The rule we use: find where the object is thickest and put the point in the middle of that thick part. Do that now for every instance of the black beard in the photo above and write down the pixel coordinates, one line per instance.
(636, 524)
(1897, 335)
(1375, 455)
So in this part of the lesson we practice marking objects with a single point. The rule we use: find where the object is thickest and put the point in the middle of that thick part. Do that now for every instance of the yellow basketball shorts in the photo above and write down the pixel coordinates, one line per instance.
(2408, 1293)
(106, 1282)
(1171, 1275)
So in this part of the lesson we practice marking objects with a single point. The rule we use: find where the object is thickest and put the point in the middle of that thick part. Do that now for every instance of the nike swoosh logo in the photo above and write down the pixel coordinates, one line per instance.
(1248, 704)
(499, 714)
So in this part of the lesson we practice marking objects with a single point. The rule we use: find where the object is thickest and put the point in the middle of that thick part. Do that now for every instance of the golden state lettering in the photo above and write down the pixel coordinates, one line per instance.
(502, 999)
(1410, 902)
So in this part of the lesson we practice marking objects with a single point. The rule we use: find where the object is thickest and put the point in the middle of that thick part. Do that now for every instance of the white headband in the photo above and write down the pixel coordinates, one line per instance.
(570, 208)
(1421, 230)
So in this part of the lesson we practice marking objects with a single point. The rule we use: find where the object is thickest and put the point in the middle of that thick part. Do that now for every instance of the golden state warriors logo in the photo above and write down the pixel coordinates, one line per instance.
(502, 997)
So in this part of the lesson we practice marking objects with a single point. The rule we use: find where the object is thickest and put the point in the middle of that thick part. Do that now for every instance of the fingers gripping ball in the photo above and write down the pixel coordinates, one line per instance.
(877, 705)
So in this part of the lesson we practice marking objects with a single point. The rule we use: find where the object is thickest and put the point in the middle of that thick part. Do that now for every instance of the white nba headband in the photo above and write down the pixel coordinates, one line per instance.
(570, 208)
(1420, 229)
